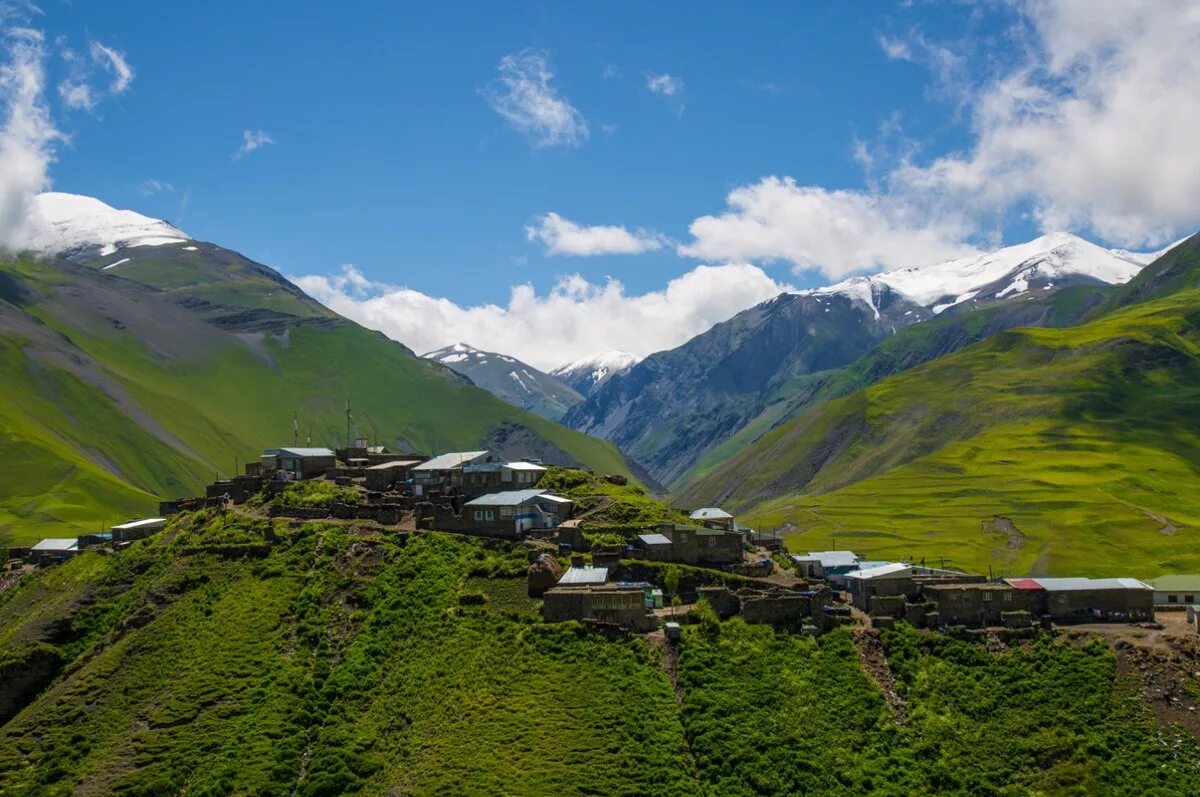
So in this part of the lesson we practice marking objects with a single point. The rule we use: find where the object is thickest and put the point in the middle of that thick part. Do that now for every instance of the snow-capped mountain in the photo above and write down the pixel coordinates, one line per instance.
(81, 226)
(588, 373)
(1052, 260)
(509, 379)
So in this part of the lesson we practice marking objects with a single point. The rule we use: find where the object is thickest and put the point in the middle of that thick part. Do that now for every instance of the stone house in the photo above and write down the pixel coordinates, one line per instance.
(624, 606)
(442, 475)
(895, 579)
(389, 476)
(493, 477)
(980, 604)
(512, 513)
(712, 517)
(1084, 600)
(1175, 590)
(298, 463)
(701, 546)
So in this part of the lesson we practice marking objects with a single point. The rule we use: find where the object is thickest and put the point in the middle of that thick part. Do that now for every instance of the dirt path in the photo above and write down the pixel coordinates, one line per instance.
(874, 663)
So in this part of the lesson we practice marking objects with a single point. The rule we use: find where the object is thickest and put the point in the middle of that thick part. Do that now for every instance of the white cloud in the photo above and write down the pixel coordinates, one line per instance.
(113, 62)
(575, 319)
(252, 140)
(836, 232)
(564, 237)
(28, 134)
(522, 94)
(895, 48)
(1093, 129)
(149, 187)
(665, 84)
(77, 96)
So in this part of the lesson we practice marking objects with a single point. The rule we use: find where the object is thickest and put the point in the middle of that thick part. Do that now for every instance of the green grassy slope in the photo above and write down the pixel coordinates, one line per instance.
(116, 395)
(908, 348)
(1082, 437)
(337, 661)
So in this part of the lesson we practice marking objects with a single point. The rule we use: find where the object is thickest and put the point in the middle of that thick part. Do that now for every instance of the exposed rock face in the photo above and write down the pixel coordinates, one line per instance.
(543, 574)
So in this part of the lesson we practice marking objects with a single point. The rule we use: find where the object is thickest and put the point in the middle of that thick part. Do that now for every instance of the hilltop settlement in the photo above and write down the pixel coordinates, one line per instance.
(603, 553)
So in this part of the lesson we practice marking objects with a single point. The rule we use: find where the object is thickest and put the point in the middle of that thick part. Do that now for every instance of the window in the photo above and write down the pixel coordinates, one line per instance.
(1172, 599)
(506, 511)
(483, 514)
(1007, 596)
(987, 596)
(1189, 598)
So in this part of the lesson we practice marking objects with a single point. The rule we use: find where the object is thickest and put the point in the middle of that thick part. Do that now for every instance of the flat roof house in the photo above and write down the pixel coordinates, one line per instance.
(299, 463)
(389, 475)
(700, 545)
(657, 546)
(445, 471)
(54, 549)
(826, 564)
(712, 517)
(1092, 599)
(514, 512)
(491, 477)
(896, 578)
(137, 529)
(1174, 590)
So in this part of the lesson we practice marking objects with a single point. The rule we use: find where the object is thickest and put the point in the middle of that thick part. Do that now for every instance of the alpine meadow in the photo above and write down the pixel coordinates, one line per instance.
(593, 399)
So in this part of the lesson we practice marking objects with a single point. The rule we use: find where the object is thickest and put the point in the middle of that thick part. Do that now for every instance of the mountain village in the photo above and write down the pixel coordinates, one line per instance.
(621, 579)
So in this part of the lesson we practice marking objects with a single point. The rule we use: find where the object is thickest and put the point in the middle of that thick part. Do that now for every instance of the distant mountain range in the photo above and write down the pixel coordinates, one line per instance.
(138, 363)
(1035, 450)
(682, 411)
(510, 379)
(588, 374)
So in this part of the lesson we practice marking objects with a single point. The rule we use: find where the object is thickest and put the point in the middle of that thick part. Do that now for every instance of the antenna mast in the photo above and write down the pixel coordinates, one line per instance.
(295, 428)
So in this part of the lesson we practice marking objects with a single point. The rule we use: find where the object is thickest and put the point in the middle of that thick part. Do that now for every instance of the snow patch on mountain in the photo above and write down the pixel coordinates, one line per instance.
(1054, 256)
(69, 224)
(589, 372)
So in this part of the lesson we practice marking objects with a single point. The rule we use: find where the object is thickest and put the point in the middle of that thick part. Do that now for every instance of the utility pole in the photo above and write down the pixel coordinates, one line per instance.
(308, 440)
(348, 441)
(295, 428)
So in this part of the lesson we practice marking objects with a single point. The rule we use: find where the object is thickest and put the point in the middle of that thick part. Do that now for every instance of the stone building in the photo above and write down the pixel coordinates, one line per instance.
(981, 604)
(619, 605)
(1084, 600)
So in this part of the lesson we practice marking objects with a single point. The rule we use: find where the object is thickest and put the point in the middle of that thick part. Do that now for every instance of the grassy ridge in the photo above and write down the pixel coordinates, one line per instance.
(336, 664)
(116, 396)
(1078, 435)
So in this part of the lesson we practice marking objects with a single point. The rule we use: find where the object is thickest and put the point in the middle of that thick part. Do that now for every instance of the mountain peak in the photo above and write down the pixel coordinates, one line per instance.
(588, 373)
(71, 224)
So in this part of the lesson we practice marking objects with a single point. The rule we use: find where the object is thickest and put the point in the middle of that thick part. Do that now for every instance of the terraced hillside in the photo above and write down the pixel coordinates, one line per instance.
(119, 392)
(230, 655)
(1044, 450)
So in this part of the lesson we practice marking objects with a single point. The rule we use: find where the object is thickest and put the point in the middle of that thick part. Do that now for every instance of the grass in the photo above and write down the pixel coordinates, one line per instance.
(604, 505)
(769, 713)
(337, 663)
(1076, 435)
(126, 399)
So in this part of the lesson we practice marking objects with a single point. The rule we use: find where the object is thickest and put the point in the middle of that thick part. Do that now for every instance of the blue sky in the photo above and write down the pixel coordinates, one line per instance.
(388, 156)
(728, 150)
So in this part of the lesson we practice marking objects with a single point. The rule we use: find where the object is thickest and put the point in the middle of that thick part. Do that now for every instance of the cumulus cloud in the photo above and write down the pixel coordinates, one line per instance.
(564, 237)
(546, 330)
(1094, 128)
(836, 232)
(665, 85)
(252, 140)
(522, 94)
(28, 134)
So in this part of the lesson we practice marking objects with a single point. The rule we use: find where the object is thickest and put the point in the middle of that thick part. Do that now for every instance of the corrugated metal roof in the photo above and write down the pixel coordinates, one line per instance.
(710, 513)
(153, 522)
(655, 539)
(584, 575)
(56, 544)
(450, 461)
(834, 558)
(399, 463)
(299, 452)
(1023, 583)
(523, 466)
(515, 498)
(1075, 584)
(896, 568)
(1176, 583)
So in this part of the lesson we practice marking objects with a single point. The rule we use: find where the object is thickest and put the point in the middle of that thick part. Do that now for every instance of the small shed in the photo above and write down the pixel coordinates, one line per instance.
(657, 546)
(388, 476)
